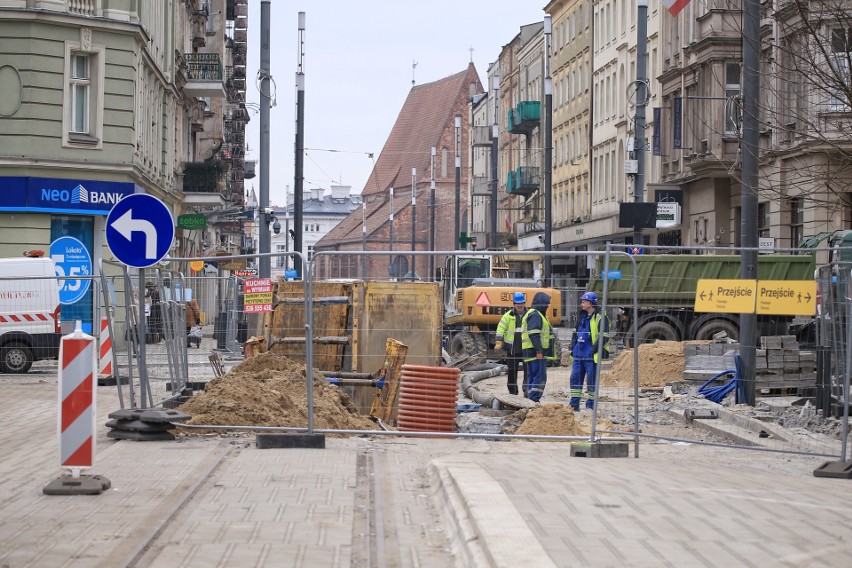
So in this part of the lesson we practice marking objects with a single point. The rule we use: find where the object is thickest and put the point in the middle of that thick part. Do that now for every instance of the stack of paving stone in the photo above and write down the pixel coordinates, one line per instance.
(702, 361)
(780, 365)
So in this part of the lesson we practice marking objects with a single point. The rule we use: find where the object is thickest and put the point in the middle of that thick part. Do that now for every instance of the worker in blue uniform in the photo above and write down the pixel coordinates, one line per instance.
(592, 328)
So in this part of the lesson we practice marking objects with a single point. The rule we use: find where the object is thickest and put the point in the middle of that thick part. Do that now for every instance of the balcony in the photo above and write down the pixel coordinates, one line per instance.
(481, 136)
(204, 75)
(523, 181)
(201, 185)
(481, 185)
(201, 177)
(524, 117)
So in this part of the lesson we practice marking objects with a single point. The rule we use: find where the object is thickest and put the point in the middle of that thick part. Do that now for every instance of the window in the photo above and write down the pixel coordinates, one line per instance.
(82, 117)
(281, 261)
(840, 77)
(732, 97)
(80, 84)
(310, 252)
(797, 221)
(763, 220)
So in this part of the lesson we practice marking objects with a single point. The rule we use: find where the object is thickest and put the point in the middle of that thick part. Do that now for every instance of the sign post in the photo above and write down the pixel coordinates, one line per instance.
(140, 230)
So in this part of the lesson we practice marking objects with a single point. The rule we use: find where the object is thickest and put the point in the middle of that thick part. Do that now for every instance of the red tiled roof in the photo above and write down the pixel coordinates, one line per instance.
(428, 111)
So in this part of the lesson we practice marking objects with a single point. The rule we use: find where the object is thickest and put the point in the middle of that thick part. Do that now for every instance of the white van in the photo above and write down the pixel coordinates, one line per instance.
(29, 313)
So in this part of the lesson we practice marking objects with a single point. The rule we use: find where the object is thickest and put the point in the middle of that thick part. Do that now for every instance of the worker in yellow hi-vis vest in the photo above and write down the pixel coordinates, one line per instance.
(537, 341)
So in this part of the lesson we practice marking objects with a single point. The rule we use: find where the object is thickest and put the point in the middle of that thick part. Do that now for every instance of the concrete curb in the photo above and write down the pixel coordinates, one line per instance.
(489, 525)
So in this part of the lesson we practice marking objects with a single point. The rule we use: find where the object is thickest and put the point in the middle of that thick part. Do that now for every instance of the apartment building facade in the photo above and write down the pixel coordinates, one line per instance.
(102, 99)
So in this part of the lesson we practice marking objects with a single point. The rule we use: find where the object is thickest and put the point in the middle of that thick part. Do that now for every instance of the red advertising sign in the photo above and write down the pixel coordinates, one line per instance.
(258, 295)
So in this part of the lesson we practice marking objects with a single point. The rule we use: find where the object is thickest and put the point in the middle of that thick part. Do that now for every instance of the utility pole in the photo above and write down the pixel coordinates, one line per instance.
(363, 238)
(495, 86)
(432, 215)
(299, 185)
(390, 239)
(548, 154)
(264, 241)
(748, 227)
(457, 234)
(641, 102)
(413, 219)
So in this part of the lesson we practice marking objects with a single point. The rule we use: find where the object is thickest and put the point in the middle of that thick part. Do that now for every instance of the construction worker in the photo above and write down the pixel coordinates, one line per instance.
(537, 341)
(591, 328)
(509, 338)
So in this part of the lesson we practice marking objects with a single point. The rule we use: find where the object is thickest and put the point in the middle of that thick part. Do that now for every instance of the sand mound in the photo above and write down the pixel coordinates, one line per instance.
(271, 390)
(660, 363)
(553, 420)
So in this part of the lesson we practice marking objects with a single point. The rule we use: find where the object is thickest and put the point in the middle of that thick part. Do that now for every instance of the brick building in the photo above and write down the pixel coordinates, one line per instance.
(426, 121)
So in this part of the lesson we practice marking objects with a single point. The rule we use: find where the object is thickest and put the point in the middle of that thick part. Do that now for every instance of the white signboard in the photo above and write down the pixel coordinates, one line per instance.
(766, 245)
(668, 214)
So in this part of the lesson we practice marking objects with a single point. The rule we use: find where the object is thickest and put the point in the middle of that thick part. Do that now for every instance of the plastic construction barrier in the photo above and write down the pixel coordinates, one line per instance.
(77, 400)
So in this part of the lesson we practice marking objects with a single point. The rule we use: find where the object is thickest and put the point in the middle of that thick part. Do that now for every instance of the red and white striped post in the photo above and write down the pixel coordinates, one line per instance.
(77, 400)
(105, 359)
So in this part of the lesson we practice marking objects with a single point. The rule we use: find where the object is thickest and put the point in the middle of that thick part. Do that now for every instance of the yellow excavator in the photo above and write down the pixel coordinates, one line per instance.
(477, 292)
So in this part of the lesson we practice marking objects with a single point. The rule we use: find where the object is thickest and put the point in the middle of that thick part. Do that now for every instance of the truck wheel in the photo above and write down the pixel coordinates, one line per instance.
(462, 344)
(557, 353)
(707, 330)
(654, 330)
(16, 358)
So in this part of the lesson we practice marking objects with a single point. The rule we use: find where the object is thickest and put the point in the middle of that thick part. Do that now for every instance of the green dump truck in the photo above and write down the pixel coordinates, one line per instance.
(666, 294)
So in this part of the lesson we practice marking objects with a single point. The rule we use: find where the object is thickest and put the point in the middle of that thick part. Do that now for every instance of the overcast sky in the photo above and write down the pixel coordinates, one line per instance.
(358, 72)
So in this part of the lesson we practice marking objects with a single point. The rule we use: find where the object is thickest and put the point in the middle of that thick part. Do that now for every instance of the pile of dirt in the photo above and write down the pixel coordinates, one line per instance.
(660, 363)
(552, 420)
(271, 390)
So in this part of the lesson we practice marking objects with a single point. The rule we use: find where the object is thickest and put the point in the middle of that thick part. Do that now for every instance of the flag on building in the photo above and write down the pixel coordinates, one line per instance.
(675, 6)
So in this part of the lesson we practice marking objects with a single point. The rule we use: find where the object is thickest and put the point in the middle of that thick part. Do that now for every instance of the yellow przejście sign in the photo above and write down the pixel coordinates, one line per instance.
(726, 296)
(786, 297)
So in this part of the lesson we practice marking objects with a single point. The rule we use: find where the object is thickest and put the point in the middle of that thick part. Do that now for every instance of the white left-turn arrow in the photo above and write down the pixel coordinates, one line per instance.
(126, 225)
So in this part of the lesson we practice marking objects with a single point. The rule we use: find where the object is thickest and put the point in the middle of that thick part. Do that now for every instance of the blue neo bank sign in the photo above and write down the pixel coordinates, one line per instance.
(61, 195)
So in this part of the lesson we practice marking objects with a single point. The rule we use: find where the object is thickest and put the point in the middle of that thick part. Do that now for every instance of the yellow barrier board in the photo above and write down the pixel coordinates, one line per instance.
(786, 297)
(726, 296)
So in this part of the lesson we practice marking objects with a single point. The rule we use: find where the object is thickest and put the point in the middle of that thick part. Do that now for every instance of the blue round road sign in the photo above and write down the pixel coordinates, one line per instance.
(140, 230)
(71, 258)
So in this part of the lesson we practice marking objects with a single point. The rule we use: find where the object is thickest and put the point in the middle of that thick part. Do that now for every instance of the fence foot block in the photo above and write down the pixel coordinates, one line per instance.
(83, 485)
(271, 440)
(691, 414)
(600, 449)
(835, 469)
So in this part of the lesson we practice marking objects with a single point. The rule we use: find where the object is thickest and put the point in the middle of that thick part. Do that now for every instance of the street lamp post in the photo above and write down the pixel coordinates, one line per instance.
(495, 85)
(457, 233)
(432, 215)
(548, 153)
(413, 219)
(390, 239)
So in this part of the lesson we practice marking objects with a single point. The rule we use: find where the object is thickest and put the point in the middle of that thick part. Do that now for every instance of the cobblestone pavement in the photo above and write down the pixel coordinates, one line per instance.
(379, 501)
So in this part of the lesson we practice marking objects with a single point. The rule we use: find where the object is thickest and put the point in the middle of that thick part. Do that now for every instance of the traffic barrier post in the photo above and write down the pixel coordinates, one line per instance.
(76, 421)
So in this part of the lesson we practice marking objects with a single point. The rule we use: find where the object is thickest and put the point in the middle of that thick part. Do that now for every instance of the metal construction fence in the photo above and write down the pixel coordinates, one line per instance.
(672, 339)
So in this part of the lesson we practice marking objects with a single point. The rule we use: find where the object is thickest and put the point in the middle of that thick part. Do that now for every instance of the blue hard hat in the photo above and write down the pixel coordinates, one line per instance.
(519, 298)
(591, 297)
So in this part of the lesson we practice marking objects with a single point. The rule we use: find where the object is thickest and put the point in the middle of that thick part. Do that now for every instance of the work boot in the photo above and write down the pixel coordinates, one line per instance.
(513, 389)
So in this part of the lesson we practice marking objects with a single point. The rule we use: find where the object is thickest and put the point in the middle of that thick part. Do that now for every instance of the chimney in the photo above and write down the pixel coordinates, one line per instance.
(340, 191)
(316, 193)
